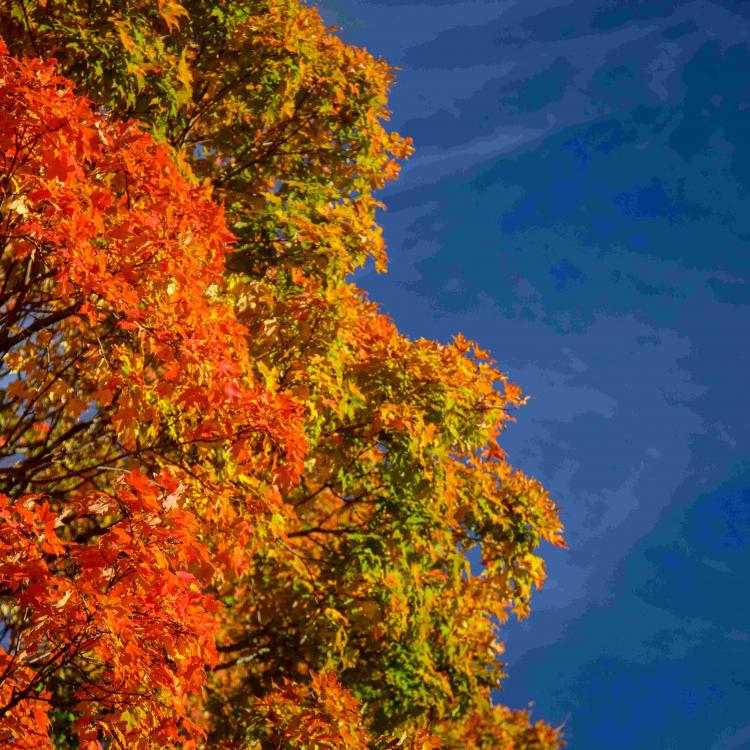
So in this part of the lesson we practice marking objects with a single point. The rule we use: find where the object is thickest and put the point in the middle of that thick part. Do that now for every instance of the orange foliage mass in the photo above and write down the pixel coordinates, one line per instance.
(121, 353)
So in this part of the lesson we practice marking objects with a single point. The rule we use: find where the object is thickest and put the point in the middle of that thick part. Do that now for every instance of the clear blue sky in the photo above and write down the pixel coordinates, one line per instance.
(578, 203)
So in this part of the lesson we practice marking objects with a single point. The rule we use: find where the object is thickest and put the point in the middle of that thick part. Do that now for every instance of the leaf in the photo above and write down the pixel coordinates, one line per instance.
(60, 603)
(171, 12)
(171, 500)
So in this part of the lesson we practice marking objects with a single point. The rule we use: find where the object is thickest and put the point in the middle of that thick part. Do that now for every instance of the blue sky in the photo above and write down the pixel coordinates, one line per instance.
(578, 203)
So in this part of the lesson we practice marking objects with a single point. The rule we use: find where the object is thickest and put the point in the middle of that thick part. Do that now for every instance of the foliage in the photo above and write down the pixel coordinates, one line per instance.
(282, 116)
(488, 727)
(118, 353)
(88, 618)
(291, 488)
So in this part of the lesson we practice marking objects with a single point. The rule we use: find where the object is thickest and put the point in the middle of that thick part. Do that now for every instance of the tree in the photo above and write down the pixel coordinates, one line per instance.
(330, 475)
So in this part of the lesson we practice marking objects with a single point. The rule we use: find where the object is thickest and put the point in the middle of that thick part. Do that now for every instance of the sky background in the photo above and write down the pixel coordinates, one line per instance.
(578, 204)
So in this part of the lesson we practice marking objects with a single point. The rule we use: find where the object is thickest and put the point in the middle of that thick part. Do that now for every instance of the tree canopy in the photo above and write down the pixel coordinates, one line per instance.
(238, 506)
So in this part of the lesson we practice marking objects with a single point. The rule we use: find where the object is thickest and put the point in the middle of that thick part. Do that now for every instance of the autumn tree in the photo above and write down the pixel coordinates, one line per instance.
(222, 423)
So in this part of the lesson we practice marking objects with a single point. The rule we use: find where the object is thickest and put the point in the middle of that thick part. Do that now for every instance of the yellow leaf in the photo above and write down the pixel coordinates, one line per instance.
(184, 76)
(125, 38)
(64, 599)
(171, 12)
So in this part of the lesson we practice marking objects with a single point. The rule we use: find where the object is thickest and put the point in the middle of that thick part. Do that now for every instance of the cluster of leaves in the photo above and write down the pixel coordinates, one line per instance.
(117, 628)
(119, 352)
(248, 502)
